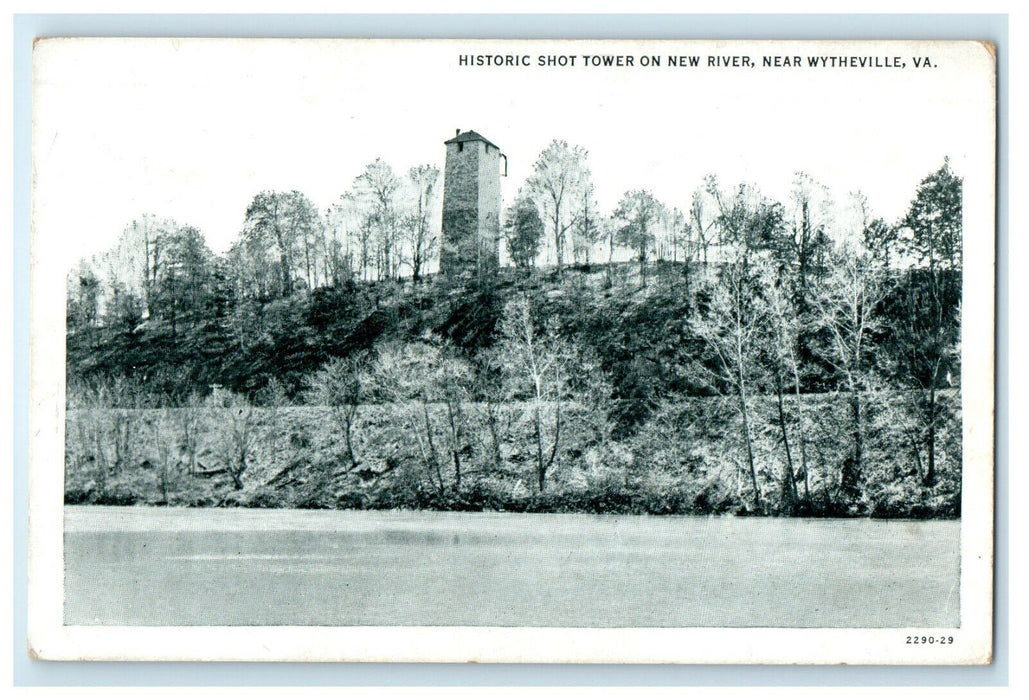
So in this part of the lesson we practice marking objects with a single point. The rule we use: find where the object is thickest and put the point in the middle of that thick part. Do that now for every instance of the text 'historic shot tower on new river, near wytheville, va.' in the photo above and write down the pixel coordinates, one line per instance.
(471, 207)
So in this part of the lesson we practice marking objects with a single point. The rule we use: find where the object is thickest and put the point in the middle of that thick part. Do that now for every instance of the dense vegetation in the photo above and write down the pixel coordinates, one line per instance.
(753, 357)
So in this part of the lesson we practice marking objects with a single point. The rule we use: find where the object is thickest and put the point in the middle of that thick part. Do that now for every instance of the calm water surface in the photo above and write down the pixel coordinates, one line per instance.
(169, 566)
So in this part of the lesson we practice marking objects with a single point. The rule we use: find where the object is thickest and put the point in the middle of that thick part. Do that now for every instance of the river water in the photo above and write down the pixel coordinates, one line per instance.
(172, 566)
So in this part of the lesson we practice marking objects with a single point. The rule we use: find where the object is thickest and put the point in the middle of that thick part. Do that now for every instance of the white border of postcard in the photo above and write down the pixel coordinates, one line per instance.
(50, 638)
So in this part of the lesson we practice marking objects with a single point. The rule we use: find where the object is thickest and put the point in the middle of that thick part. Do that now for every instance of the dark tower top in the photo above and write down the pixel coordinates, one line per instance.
(465, 136)
(471, 207)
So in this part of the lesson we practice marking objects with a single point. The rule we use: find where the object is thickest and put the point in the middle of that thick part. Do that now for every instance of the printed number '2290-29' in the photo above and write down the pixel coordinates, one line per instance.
(924, 639)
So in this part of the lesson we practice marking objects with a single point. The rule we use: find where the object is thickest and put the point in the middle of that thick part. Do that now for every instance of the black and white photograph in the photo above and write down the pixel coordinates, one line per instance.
(512, 350)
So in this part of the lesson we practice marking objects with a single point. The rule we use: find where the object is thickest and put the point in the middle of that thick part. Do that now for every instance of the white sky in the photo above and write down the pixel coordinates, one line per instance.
(193, 129)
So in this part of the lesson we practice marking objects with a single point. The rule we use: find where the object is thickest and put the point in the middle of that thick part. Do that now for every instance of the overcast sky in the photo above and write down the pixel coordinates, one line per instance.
(193, 129)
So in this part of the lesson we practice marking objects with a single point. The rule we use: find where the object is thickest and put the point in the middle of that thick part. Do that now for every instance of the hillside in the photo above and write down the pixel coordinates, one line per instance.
(392, 394)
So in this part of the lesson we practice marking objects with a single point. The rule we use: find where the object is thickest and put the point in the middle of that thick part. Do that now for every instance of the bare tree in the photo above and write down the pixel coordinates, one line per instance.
(365, 235)
(637, 212)
(808, 225)
(168, 469)
(746, 221)
(536, 367)
(137, 257)
(88, 404)
(346, 254)
(424, 182)
(123, 425)
(609, 227)
(675, 237)
(453, 380)
(586, 231)
(378, 192)
(846, 310)
(190, 413)
(277, 224)
(338, 385)
(489, 387)
(731, 330)
(673, 228)
(702, 221)
(419, 377)
(560, 174)
(235, 415)
(784, 329)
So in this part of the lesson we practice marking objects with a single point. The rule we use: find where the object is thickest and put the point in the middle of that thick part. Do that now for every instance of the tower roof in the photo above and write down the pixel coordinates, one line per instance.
(471, 136)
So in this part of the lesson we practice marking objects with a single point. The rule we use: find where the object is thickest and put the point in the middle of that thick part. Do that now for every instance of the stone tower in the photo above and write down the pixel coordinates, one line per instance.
(471, 207)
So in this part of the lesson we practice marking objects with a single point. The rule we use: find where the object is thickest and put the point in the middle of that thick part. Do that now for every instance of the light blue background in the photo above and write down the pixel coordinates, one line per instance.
(28, 27)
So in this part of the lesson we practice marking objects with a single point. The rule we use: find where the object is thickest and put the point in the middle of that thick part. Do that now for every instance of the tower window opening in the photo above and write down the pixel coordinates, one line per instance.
(460, 146)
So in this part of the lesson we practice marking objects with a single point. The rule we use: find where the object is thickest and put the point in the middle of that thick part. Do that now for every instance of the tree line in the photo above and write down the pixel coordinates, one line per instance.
(768, 305)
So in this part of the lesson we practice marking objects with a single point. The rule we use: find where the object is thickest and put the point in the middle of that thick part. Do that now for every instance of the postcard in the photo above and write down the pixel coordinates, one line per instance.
(566, 351)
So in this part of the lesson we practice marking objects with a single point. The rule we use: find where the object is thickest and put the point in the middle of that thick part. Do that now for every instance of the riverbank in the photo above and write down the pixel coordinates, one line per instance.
(685, 461)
